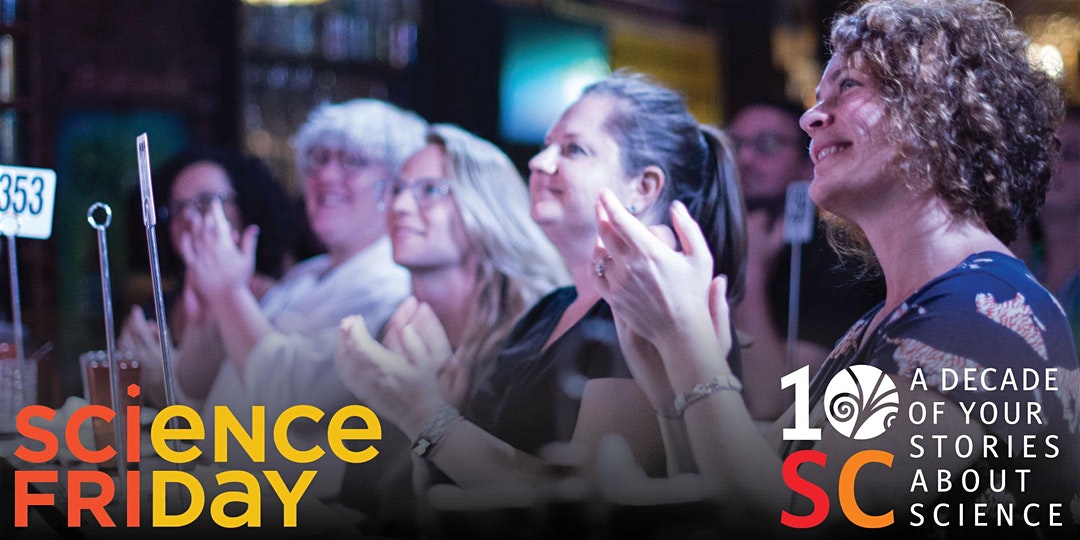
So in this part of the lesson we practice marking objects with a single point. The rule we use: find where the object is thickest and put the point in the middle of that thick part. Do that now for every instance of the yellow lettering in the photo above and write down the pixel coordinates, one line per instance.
(337, 433)
(281, 434)
(160, 434)
(289, 498)
(253, 443)
(161, 517)
(252, 514)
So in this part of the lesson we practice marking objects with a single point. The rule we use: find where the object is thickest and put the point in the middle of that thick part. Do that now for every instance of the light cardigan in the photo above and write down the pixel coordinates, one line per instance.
(294, 365)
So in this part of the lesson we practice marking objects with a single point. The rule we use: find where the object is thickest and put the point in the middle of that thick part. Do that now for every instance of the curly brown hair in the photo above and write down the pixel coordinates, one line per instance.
(972, 115)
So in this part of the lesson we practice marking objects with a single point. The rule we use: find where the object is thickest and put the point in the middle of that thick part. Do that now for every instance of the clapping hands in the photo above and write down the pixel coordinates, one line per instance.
(398, 378)
(659, 295)
(218, 259)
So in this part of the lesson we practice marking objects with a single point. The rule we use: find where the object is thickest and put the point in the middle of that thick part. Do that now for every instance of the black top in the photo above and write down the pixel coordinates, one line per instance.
(533, 394)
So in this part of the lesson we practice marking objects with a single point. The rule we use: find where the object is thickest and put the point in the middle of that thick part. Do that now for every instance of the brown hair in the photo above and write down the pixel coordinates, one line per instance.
(972, 115)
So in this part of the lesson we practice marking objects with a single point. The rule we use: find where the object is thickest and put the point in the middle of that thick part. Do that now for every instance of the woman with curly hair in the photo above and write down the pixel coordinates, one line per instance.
(932, 141)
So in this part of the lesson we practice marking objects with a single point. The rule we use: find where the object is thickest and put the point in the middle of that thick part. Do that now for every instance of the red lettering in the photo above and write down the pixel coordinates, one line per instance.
(95, 504)
(807, 489)
(133, 437)
(133, 498)
(32, 432)
(71, 434)
(24, 499)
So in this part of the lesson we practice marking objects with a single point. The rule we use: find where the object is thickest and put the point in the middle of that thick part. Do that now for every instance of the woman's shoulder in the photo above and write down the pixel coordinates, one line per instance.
(986, 285)
(987, 312)
(551, 306)
(986, 273)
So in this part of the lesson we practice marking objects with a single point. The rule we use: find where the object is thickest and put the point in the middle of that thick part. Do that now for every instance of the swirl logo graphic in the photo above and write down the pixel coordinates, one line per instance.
(861, 402)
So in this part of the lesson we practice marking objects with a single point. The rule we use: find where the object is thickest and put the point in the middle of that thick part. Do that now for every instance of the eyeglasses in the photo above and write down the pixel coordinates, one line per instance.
(200, 202)
(425, 191)
(765, 143)
(350, 162)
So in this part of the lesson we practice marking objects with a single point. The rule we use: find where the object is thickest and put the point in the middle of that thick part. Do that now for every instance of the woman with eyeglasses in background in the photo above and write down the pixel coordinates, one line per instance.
(458, 219)
(185, 186)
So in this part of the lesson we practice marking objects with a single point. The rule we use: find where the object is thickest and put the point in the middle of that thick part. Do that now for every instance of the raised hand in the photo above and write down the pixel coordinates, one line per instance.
(398, 387)
(654, 288)
(647, 368)
(217, 260)
(425, 323)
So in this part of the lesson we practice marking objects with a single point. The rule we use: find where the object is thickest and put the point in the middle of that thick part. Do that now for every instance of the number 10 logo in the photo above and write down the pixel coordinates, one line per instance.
(860, 402)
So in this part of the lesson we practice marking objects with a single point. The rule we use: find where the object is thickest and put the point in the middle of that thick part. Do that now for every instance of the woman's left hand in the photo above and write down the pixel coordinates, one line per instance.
(399, 387)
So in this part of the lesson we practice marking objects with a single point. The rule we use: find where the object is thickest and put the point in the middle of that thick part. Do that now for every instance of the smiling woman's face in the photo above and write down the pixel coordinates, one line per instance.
(579, 159)
(854, 156)
(426, 228)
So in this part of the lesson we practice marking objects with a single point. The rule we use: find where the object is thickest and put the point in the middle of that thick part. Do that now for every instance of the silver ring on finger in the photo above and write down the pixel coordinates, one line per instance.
(600, 267)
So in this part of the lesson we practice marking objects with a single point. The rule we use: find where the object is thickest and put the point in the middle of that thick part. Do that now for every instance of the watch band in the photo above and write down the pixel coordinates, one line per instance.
(436, 427)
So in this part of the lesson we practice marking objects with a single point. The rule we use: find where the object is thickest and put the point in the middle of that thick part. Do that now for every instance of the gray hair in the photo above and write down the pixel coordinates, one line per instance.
(517, 262)
(378, 129)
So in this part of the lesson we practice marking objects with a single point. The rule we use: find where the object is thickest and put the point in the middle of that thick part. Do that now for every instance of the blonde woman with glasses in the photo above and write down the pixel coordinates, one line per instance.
(458, 219)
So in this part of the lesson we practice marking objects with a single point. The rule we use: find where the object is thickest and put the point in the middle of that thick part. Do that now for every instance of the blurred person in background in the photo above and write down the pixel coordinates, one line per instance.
(458, 218)
(185, 186)
(771, 153)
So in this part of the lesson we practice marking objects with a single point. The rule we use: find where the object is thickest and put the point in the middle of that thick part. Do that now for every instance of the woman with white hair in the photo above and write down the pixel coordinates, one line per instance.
(277, 352)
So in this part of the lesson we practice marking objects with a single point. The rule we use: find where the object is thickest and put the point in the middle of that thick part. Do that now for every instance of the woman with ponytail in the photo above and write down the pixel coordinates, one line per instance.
(561, 368)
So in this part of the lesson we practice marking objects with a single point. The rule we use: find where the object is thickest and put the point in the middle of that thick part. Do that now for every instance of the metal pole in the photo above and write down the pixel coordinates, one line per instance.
(793, 306)
(16, 302)
(142, 147)
(110, 333)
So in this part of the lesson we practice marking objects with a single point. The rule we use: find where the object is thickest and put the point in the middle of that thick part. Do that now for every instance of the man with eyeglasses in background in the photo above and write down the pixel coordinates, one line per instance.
(770, 153)
(278, 352)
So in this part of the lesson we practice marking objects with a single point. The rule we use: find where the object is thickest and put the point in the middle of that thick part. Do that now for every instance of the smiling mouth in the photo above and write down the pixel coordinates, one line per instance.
(405, 231)
(830, 150)
(550, 191)
(331, 200)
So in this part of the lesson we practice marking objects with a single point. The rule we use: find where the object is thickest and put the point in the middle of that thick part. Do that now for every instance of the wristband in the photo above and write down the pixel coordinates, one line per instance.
(436, 427)
(705, 389)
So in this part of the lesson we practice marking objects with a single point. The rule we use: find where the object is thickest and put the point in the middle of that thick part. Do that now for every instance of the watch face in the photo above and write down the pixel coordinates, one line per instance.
(421, 447)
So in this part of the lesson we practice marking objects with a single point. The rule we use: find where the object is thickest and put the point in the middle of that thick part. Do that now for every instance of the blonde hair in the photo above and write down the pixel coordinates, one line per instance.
(517, 264)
